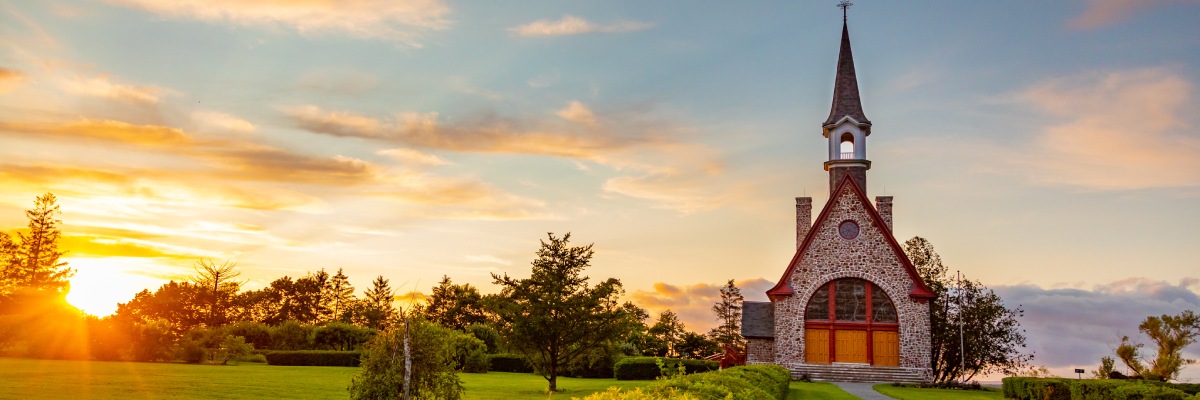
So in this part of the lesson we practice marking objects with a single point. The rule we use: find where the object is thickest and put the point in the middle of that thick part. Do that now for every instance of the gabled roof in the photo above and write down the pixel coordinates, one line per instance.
(846, 102)
(920, 291)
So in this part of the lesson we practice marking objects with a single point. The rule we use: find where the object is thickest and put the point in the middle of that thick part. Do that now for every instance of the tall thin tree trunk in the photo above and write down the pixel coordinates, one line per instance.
(407, 363)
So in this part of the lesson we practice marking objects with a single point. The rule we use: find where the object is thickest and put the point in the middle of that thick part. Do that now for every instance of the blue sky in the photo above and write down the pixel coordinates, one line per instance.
(1048, 149)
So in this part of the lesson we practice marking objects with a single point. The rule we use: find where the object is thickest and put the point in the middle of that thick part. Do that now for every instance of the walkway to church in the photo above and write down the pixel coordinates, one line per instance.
(862, 390)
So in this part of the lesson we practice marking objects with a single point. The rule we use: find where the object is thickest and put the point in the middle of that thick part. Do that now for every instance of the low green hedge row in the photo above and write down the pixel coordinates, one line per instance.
(646, 368)
(751, 382)
(1093, 389)
(508, 363)
(312, 358)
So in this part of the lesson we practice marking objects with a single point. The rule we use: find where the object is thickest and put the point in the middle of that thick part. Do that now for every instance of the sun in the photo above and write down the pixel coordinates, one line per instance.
(100, 284)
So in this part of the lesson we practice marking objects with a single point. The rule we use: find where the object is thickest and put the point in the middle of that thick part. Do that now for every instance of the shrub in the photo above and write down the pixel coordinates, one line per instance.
(754, 382)
(1147, 392)
(340, 336)
(646, 368)
(191, 352)
(488, 335)
(290, 335)
(508, 363)
(433, 375)
(257, 334)
(597, 363)
(1189, 388)
(313, 358)
(467, 352)
(1095, 389)
(1026, 388)
(252, 358)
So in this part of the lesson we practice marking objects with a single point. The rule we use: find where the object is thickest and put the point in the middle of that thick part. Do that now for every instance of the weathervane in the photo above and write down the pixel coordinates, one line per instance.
(844, 4)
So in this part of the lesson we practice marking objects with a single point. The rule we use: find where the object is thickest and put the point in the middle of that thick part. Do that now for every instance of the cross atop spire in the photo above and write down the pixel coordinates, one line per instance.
(844, 4)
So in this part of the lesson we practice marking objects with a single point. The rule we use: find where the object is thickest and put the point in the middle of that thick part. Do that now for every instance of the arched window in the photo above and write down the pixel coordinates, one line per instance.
(847, 146)
(851, 320)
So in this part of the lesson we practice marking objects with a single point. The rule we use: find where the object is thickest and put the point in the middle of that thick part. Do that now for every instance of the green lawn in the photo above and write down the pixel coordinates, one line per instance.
(907, 393)
(30, 379)
(818, 390)
(51, 379)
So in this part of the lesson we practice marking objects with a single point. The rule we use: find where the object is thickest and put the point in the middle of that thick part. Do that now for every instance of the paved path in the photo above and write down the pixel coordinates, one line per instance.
(862, 390)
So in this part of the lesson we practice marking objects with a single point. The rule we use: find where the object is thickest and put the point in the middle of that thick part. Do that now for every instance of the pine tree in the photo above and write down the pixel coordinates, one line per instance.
(33, 262)
(729, 317)
(378, 310)
(342, 296)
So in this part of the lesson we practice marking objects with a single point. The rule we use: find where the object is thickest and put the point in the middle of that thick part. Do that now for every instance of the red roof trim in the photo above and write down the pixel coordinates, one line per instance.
(781, 289)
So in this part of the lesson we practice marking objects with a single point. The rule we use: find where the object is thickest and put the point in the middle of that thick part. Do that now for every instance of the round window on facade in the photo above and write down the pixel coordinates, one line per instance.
(848, 229)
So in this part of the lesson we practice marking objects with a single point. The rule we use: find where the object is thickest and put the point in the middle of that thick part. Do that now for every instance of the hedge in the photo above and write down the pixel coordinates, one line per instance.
(752, 382)
(646, 368)
(312, 358)
(508, 363)
(1022, 388)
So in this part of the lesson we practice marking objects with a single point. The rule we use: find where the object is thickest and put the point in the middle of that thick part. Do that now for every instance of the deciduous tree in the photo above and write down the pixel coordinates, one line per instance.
(992, 335)
(554, 317)
(219, 288)
(1171, 333)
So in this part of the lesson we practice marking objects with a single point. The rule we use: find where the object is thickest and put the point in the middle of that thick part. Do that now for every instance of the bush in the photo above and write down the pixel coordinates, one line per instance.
(1189, 388)
(313, 358)
(488, 335)
(257, 334)
(1025, 388)
(191, 352)
(597, 363)
(290, 335)
(467, 352)
(508, 363)
(646, 368)
(340, 336)
(252, 358)
(1147, 392)
(433, 375)
(753, 382)
(1091, 389)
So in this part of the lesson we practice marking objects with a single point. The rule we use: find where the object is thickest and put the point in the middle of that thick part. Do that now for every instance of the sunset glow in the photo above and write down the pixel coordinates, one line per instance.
(1050, 150)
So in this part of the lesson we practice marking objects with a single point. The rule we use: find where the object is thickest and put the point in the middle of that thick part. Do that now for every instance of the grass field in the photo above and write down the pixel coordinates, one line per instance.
(54, 379)
(907, 393)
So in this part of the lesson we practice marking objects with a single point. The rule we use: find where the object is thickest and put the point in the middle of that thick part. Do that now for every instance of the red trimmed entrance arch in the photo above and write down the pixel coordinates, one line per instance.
(851, 320)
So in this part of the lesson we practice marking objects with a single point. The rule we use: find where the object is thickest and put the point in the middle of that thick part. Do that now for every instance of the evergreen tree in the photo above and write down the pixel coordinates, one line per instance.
(32, 263)
(377, 309)
(554, 318)
(667, 334)
(455, 306)
(729, 317)
(342, 297)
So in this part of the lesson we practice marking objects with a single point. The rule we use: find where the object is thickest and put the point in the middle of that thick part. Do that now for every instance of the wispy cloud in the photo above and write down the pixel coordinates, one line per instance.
(10, 79)
(412, 157)
(572, 25)
(1128, 129)
(1100, 13)
(222, 122)
(399, 21)
(103, 86)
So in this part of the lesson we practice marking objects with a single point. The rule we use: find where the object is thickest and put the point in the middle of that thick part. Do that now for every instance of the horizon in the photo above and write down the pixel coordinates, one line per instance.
(1050, 151)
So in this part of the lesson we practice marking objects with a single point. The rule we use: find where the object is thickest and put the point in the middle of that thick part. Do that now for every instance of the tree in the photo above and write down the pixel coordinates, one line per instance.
(729, 317)
(1105, 370)
(32, 263)
(455, 306)
(1171, 333)
(377, 310)
(554, 318)
(219, 288)
(696, 346)
(991, 333)
(666, 334)
(341, 297)
(432, 367)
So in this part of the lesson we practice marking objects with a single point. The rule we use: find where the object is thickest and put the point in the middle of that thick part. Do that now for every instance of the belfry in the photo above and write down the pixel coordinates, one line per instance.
(850, 306)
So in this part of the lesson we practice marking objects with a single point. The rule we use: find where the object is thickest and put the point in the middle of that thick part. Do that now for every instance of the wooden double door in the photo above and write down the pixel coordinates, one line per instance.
(881, 348)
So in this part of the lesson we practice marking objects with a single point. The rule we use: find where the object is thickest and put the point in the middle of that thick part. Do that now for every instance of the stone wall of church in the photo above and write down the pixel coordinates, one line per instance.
(869, 257)
(760, 351)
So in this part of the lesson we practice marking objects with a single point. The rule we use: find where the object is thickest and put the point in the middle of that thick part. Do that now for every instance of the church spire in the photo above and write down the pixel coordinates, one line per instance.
(846, 102)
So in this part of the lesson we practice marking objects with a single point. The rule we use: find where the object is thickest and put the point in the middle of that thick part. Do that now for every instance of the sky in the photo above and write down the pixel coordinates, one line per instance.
(1047, 149)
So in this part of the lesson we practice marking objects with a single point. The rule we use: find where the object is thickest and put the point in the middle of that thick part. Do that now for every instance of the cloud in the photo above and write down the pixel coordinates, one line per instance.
(1074, 327)
(1117, 130)
(101, 130)
(102, 86)
(488, 259)
(693, 303)
(347, 82)
(485, 133)
(10, 79)
(1100, 13)
(654, 163)
(572, 25)
(222, 122)
(546, 80)
(412, 157)
(403, 22)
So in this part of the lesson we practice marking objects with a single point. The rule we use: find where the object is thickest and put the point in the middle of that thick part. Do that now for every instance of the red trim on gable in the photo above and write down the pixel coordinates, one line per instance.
(781, 289)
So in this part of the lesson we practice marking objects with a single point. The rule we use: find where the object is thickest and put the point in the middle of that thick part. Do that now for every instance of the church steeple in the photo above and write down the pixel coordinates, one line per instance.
(847, 127)
(846, 102)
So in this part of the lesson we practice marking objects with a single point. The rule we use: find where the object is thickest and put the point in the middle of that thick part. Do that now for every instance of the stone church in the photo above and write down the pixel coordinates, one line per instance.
(849, 306)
